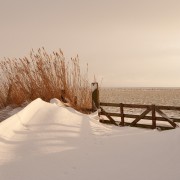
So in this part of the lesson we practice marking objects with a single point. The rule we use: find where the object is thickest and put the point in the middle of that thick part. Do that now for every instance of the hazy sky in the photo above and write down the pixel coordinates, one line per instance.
(125, 42)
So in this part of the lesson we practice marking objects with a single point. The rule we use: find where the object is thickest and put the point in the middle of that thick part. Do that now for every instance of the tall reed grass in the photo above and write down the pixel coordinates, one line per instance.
(46, 76)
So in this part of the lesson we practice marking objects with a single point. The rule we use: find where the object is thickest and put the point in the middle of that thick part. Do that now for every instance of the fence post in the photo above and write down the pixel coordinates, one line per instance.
(95, 96)
(122, 114)
(153, 116)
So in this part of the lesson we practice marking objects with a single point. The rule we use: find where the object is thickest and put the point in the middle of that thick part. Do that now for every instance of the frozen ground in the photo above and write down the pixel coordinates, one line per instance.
(148, 96)
(158, 96)
(47, 141)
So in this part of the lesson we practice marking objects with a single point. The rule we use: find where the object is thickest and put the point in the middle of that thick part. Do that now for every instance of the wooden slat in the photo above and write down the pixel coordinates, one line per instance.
(138, 125)
(109, 117)
(175, 119)
(166, 117)
(125, 105)
(110, 104)
(153, 117)
(135, 116)
(141, 116)
(136, 106)
(107, 121)
(111, 114)
(176, 108)
(147, 117)
(122, 114)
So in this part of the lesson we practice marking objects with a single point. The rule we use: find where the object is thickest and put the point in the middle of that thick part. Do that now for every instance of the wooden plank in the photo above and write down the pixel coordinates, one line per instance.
(105, 121)
(176, 108)
(135, 116)
(124, 105)
(141, 116)
(166, 117)
(109, 117)
(110, 114)
(147, 117)
(175, 119)
(109, 104)
(136, 106)
(139, 125)
(122, 114)
(153, 117)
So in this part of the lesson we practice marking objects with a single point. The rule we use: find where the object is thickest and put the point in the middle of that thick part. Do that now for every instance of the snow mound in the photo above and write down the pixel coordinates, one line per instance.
(57, 102)
(18, 120)
(51, 141)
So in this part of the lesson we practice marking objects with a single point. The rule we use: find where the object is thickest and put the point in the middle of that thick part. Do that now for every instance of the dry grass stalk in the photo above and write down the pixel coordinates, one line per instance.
(43, 75)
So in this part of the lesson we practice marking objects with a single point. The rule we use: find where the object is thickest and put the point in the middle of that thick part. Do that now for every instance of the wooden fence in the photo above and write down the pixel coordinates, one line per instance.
(149, 114)
(153, 110)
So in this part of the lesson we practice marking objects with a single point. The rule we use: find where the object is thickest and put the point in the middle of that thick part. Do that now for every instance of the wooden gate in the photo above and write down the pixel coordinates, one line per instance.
(149, 113)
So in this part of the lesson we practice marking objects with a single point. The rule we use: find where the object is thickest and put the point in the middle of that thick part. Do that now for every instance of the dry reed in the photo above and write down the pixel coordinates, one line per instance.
(45, 76)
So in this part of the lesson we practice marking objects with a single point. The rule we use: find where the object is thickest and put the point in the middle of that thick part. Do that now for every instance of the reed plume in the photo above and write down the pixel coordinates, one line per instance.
(46, 76)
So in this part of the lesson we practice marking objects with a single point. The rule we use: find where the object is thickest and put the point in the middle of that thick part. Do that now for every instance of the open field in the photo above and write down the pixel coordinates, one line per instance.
(148, 96)
(159, 96)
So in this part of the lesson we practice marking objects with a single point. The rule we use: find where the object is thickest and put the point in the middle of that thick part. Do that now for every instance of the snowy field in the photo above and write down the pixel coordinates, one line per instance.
(158, 96)
(148, 96)
(48, 141)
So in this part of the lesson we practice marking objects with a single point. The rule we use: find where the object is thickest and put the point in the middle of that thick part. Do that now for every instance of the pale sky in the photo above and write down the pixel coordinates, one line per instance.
(125, 42)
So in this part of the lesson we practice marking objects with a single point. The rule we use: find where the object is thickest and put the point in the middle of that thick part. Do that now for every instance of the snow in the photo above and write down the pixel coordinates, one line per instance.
(48, 141)
(57, 102)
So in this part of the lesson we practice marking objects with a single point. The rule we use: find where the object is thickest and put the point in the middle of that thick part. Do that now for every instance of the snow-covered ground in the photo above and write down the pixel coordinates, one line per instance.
(48, 141)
